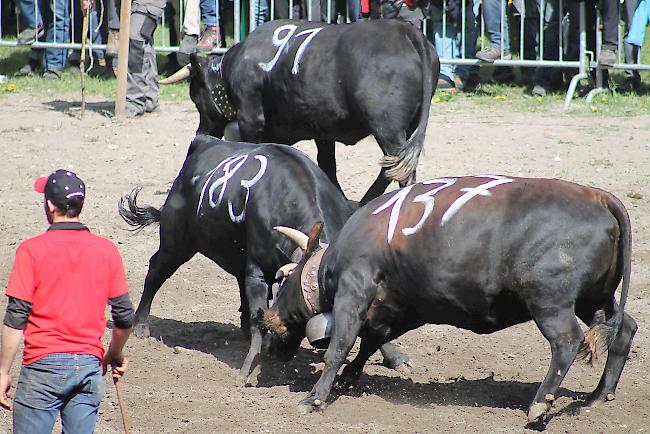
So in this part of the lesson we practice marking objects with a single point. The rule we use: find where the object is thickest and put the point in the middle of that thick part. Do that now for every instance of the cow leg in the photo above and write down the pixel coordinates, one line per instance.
(256, 293)
(563, 333)
(376, 189)
(162, 265)
(395, 359)
(352, 372)
(244, 310)
(370, 343)
(327, 160)
(349, 309)
(616, 357)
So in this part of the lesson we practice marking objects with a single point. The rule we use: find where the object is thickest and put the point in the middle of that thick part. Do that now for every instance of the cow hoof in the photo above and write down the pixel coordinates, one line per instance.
(405, 369)
(537, 410)
(141, 330)
(595, 400)
(246, 381)
(308, 406)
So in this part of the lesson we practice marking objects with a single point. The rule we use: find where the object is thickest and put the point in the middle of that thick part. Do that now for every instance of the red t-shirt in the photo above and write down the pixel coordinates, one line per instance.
(68, 276)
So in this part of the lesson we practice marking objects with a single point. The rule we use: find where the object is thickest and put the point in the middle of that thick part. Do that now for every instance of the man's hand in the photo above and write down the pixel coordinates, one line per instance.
(5, 385)
(118, 363)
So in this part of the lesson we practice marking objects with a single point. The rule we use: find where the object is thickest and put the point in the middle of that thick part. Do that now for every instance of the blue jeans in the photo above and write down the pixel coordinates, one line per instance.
(29, 17)
(57, 29)
(68, 383)
(494, 18)
(209, 12)
(261, 12)
(448, 43)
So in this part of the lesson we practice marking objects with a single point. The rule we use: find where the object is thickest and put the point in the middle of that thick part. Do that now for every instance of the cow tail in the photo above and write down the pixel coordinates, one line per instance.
(136, 216)
(401, 167)
(599, 336)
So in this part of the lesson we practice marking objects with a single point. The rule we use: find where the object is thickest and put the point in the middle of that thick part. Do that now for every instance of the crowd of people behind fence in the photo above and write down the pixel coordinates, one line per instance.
(510, 27)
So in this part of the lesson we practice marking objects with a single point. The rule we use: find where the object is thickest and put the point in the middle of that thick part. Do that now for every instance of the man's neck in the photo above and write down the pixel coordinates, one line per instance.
(62, 219)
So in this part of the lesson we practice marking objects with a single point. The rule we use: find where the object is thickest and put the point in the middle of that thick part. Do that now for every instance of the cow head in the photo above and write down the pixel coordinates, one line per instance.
(291, 308)
(208, 94)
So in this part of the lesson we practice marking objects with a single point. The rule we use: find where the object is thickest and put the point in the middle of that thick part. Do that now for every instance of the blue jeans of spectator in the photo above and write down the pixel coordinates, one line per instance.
(448, 40)
(57, 29)
(68, 383)
(30, 16)
(209, 12)
(261, 12)
(494, 17)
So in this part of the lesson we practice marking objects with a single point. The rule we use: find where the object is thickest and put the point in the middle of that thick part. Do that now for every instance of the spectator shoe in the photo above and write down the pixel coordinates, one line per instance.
(607, 56)
(30, 68)
(52, 75)
(630, 85)
(210, 39)
(539, 90)
(29, 35)
(491, 54)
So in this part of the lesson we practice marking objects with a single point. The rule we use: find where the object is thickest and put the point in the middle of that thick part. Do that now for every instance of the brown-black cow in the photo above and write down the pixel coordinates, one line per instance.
(481, 253)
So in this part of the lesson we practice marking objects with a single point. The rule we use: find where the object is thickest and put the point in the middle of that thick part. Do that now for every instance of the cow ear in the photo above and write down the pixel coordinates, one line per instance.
(314, 238)
(198, 65)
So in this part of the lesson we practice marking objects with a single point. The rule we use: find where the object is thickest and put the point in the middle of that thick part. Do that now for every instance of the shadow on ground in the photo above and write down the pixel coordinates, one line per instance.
(226, 343)
(73, 108)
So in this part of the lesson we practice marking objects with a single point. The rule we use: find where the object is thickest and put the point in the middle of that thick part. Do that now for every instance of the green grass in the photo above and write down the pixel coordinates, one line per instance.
(514, 97)
(518, 98)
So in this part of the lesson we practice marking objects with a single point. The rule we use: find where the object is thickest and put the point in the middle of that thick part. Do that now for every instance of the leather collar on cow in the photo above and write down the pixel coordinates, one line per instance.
(309, 280)
(222, 102)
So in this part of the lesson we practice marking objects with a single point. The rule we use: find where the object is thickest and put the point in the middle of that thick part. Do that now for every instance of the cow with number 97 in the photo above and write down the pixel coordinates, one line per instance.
(299, 80)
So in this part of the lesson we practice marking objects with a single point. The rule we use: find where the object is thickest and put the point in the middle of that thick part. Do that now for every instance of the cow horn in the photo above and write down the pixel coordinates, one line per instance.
(287, 268)
(180, 75)
(294, 235)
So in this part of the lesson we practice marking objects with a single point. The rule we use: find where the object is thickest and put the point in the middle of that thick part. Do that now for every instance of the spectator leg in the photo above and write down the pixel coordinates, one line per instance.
(494, 18)
(546, 76)
(142, 86)
(445, 41)
(57, 30)
(631, 51)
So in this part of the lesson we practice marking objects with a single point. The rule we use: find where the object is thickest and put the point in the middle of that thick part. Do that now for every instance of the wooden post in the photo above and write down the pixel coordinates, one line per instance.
(123, 57)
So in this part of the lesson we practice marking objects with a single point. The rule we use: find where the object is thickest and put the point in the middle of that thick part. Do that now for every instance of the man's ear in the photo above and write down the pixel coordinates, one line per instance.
(314, 238)
(51, 206)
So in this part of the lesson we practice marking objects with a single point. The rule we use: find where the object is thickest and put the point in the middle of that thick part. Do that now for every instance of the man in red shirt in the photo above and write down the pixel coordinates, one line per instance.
(58, 290)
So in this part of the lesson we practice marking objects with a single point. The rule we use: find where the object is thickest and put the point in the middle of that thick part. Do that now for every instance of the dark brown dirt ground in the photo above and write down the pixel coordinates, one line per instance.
(184, 380)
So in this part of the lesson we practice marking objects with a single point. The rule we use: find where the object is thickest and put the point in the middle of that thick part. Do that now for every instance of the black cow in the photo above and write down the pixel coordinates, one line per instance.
(480, 253)
(224, 204)
(298, 80)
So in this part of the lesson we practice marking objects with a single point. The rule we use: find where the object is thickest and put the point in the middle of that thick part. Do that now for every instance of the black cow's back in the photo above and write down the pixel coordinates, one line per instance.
(477, 264)
(229, 196)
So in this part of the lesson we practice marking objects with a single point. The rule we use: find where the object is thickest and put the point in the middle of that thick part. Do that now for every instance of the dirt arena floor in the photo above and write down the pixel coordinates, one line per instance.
(184, 378)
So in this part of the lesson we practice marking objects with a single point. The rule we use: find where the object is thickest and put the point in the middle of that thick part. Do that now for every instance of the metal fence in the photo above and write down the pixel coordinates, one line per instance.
(560, 35)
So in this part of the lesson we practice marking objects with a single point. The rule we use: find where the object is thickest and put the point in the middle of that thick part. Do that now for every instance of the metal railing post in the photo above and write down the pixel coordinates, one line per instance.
(237, 21)
(582, 58)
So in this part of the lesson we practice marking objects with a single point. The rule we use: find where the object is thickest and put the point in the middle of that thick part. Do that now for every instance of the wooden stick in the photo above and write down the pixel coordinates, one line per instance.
(125, 422)
(123, 57)
(82, 62)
